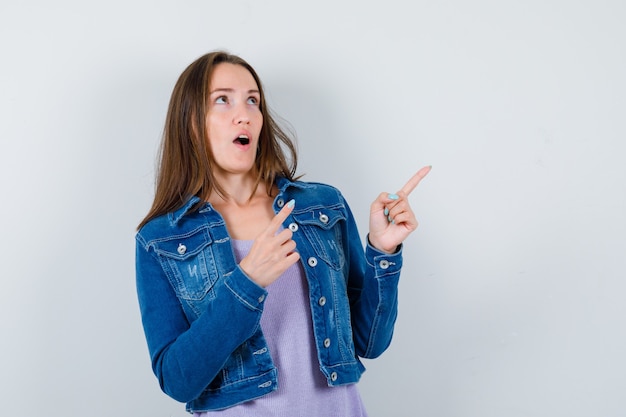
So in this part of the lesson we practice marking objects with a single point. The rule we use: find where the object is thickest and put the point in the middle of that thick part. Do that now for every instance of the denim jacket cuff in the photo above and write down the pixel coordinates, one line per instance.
(246, 290)
(384, 263)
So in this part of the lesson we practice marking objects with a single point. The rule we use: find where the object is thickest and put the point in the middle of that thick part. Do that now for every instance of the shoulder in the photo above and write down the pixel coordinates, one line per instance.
(315, 197)
(310, 191)
(153, 229)
(319, 187)
(185, 221)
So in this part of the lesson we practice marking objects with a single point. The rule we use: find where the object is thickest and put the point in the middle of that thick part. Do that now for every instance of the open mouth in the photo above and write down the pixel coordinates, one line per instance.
(242, 140)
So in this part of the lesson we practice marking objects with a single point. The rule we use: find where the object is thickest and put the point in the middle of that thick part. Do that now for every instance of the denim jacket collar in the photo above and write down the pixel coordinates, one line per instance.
(175, 216)
(283, 183)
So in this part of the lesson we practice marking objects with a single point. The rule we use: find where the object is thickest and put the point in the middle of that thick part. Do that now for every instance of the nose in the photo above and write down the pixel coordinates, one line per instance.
(241, 116)
(242, 119)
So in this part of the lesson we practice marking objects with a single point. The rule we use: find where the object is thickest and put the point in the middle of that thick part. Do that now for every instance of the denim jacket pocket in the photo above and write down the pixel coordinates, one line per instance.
(322, 228)
(189, 263)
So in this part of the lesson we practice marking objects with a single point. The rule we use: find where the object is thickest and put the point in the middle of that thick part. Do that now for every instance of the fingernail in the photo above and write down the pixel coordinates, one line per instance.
(291, 203)
(392, 196)
(386, 211)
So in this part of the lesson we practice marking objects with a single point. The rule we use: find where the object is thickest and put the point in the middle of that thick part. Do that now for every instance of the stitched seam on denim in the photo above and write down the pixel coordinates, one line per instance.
(240, 298)
(241, 381)
(339, 332)
(319, 207)
(192, 232)
(375, 323)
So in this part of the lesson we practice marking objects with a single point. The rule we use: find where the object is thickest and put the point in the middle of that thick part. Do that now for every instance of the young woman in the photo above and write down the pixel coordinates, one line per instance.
(257, 294)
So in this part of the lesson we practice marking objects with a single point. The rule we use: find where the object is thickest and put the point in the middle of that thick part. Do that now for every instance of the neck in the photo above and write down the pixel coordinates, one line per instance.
(239, 189)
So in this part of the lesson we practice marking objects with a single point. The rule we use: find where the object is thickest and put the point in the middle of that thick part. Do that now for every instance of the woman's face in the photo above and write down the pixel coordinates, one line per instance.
(234, 119)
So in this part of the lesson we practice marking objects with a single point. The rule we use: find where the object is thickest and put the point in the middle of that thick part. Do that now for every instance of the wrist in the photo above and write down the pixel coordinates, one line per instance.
(382, 248)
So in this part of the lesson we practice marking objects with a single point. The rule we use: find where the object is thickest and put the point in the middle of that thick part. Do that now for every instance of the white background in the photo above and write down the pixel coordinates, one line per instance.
(512, 298)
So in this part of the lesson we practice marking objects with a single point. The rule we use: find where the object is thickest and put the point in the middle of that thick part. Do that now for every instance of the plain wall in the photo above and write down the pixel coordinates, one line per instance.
(512, 296)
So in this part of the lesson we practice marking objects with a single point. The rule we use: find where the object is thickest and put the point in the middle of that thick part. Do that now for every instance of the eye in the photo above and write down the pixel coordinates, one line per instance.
(253, 100)
(221, 100)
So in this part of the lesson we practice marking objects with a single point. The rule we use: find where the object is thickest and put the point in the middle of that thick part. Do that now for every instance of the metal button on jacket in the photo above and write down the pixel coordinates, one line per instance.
(322, 301)
(384, 264)
(293, 227)
(181, 249)
(326, 342)
(312, 261)
(280, 202)
(323, 218)
(333, 376)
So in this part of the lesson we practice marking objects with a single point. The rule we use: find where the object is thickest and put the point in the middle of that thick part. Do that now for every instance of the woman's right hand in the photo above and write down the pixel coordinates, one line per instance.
(271, 253)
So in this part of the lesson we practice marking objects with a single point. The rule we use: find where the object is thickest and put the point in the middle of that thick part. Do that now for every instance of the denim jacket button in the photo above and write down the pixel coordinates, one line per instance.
(333, 376)
(280, 203)
(326, 343)
(324, 218)
(261, 299)
(384, 264)
(293, 227)
(322, 301)
(312, 261)
(181, 249)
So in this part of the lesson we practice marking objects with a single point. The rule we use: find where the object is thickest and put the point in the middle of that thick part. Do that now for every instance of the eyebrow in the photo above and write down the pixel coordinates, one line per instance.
(231, 90)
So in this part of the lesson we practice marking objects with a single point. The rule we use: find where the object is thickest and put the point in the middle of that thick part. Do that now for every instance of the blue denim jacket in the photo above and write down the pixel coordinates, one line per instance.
(201, 313)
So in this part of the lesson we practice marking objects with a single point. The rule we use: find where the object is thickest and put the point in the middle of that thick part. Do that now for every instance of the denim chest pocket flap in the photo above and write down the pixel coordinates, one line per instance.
(182, 247)
(189, 263)
(321, 228)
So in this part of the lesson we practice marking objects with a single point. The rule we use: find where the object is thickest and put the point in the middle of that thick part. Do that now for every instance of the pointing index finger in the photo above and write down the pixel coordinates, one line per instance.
(415, 180)
(280, 217)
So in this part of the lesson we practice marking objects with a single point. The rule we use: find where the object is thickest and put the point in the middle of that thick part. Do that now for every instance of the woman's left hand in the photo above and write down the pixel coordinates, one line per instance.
(391, 216)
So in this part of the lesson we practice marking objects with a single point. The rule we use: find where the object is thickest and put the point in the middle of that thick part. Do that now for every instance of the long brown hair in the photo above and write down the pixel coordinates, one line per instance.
(186, 160)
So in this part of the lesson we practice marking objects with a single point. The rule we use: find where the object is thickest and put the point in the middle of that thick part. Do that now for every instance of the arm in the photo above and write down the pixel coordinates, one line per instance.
(185, 356)
(373, 278)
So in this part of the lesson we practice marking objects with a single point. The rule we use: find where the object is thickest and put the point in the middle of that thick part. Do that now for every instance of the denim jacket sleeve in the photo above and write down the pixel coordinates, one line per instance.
(373, 292)
(185, 354)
